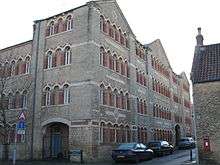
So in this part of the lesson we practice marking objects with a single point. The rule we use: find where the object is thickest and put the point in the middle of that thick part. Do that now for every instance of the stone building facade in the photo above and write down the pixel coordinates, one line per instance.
(205, 77)
(95, 86)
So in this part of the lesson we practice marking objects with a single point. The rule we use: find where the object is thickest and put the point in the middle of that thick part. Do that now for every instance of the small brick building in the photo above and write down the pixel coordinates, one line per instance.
(93, 86)
(205, 77)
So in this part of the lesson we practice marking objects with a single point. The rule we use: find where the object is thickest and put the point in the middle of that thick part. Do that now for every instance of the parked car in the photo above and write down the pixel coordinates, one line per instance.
(160, 148)
(187, 142)
(132, 152)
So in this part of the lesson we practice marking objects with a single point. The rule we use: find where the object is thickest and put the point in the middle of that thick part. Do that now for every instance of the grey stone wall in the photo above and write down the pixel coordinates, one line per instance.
(206, 105)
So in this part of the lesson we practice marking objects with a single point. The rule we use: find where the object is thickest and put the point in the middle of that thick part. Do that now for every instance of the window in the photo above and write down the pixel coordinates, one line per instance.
(67, 55)
(27, 65)
(48, 96)
(24, 99)
(17, 100)
(49, 59)
(69, 23)
(60, 25)
(51, 28)
(66, 92)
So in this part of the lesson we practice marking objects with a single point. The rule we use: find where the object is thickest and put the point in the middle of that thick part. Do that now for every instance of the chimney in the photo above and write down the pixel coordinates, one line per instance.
(199, 37)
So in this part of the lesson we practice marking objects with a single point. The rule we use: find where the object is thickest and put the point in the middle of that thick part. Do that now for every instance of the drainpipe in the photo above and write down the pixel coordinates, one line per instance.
(34, 90)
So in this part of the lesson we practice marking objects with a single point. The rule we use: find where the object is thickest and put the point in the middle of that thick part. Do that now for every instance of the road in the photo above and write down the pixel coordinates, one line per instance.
(177, 158)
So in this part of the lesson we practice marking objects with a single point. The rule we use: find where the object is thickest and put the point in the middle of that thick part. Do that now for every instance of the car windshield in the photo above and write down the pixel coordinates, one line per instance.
(154, 144)
(184, 140)
(126, 146)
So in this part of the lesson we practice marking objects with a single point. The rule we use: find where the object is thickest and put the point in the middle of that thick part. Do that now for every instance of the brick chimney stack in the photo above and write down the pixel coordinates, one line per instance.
(199, 38)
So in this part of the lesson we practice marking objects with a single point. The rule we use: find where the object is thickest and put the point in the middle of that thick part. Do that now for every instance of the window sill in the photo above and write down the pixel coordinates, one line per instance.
(115, 72)
(58, 105)
(57, 67)
(112, 107)
(19, 75)
(145, 115)
(57, 34)
(18, 109)
(123, 46)
(141, 85)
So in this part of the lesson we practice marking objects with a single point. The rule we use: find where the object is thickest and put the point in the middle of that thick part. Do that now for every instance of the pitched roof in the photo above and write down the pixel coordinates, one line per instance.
(206, 64)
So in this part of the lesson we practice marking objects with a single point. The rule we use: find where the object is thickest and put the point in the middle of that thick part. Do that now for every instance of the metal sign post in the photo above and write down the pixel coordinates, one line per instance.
(20, 129)
(14, 151)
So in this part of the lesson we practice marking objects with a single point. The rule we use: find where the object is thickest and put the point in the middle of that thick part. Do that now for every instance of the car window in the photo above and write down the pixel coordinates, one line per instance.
(164, 143)
(143, 146)
(153, 144)
(138, 146)
(127, 146)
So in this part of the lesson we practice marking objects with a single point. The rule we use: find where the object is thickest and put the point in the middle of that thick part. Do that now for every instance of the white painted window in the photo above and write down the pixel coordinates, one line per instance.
(24, 99)
(48, 96)
(66, 94)
(51, 28)
(49, 60)
(67, 55)
(69, 24)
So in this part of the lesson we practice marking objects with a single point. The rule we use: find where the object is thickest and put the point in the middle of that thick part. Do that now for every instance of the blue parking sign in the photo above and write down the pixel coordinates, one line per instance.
(21, 125)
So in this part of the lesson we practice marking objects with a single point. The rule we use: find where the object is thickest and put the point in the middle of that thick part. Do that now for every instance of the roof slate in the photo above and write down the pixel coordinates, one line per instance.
(206, 64)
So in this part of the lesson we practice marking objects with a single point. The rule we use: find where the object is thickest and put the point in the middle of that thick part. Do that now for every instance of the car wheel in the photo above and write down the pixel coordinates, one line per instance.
(171, 152)
(137, 160)
(151, 156)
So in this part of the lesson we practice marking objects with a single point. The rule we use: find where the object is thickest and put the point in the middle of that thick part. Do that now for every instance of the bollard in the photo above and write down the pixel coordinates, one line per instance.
(190, 154)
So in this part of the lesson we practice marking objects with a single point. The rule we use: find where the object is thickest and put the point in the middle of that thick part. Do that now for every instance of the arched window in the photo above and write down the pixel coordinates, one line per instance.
(66, 91)
(127, 102)
(128, 134)
(102, 132)
(69, 23)
(17, 100)
(67, 55)
(7, 69)
(48, 96)
(145, 107)
(109, 97)
(24, 99)
(120, 65)
(114, 62)
(111, 62)
(105, 59)
(138, 105)
(108, 27)
(27, 65)
(11, 101)
(60, 25)
(123, 102)
(102, 88)
(112, 133)
(55, 96)
(126, 69)
(102, 51)
(51, 28)
(58, 58)
(49, 59)
(18, 67)
(116, 33)
(122, 40)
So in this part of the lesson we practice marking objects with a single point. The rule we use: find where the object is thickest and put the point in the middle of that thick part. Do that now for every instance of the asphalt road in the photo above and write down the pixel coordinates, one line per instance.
(177, 158)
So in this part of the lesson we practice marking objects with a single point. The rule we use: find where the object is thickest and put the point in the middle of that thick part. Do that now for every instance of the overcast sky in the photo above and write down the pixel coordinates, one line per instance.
(174, 22)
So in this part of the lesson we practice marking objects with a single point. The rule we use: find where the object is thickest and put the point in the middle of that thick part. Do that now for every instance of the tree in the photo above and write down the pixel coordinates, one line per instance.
(8, 82)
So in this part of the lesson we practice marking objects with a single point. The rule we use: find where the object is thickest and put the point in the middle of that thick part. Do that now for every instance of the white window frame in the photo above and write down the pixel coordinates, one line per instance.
(24, 101)
(48, 97)
(49, 61)
(69, 24)
(67, 56)
(66, 95)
